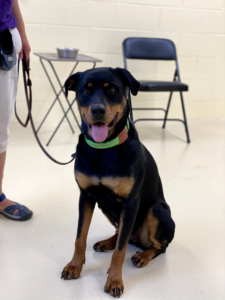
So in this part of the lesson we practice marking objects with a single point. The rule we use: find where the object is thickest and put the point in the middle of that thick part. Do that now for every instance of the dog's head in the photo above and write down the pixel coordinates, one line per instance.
(101, 99)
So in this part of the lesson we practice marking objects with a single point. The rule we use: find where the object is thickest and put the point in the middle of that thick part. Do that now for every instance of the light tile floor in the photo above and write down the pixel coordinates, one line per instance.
(33, 253)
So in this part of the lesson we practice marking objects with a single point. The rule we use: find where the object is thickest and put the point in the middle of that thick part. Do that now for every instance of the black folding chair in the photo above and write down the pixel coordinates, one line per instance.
(156, 49)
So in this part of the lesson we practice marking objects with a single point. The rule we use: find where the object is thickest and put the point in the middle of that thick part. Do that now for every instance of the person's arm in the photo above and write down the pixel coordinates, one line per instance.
(21, 28)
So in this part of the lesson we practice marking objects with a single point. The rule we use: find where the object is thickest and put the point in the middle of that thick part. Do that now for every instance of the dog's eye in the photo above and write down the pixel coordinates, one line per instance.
(112, 90)
(86, 92)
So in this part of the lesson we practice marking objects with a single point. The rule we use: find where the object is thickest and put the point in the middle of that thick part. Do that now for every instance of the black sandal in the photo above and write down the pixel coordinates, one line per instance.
(23, 214)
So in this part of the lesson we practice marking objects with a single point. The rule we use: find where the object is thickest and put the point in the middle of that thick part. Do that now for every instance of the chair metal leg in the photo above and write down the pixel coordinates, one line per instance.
(184, 114)
(167, 110)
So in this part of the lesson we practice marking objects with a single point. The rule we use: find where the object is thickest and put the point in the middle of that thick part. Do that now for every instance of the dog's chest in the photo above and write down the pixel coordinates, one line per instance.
(120, 186)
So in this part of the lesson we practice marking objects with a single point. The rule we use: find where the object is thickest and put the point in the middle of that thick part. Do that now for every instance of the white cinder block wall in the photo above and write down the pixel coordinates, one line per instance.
(98, 28)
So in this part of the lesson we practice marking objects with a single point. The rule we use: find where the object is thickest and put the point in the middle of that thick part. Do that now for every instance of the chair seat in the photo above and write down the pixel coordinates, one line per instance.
(162, 86)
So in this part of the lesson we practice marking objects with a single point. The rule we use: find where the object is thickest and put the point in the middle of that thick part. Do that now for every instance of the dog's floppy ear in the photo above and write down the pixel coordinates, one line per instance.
(129, 80)
(70, 84)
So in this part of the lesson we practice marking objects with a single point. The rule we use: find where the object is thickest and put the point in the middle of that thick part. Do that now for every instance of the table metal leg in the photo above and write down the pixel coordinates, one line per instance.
(62, 89)
(70, 106)
(57, 97)
(65, 115)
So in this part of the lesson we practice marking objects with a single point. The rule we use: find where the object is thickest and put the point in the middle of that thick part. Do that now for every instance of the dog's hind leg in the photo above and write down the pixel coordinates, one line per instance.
(106, 245)
(156, 233)
(141, 259)
(109, 244)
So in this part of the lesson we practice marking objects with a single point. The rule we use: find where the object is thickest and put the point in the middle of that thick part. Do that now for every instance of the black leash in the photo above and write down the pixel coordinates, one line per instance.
(27, 86)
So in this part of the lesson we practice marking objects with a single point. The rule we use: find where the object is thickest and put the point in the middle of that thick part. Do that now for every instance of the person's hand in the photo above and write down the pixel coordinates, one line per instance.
(25, 47)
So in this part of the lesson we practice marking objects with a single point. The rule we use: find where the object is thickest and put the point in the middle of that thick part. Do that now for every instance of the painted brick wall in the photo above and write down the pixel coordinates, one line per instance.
(99, 27)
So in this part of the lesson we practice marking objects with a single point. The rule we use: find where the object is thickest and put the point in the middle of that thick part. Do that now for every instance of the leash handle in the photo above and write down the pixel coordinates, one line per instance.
(28, 83)
(25, 69)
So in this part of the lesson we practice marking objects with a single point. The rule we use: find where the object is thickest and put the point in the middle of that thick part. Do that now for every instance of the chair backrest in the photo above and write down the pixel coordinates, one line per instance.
(149, 48)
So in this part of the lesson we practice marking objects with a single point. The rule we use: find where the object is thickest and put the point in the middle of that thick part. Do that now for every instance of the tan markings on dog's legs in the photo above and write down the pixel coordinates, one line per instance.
(141, 259)
(85, 181)
(121, 186)
(147, 238)
(144, 234)
(73, 268)
(153, 226)
(106, 245)
(114, 280)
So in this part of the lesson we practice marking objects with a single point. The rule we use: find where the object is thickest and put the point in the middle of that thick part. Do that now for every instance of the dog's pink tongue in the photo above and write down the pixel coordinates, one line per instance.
(99, 132)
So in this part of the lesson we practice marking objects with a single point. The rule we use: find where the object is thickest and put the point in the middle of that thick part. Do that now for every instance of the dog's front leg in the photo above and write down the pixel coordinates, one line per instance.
(86, 208)
(114, 284)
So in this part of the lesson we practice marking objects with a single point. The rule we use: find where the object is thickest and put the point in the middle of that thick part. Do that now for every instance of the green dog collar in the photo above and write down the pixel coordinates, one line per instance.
(121, 138)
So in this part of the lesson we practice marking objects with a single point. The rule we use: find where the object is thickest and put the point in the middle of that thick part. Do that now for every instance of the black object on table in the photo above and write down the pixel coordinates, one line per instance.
(51, 57)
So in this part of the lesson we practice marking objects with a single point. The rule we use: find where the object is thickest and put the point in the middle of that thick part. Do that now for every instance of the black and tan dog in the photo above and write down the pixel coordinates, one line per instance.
(114, 170)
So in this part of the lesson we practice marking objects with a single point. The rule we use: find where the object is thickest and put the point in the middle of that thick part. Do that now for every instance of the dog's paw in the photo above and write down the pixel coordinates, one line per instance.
(104, 246)
(114, 287)
(139, 259)
(71, 272)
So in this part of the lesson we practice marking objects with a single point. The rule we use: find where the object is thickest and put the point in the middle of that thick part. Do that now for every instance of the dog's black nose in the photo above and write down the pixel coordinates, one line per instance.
(98, 110)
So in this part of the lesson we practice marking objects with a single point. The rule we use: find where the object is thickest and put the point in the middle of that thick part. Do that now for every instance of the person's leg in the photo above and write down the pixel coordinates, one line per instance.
(2, 165)
(8, 91)
(5, 203)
